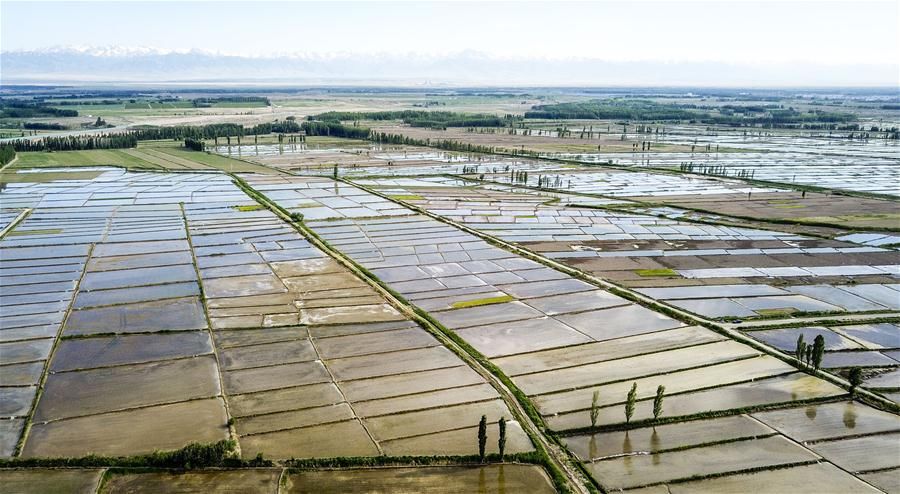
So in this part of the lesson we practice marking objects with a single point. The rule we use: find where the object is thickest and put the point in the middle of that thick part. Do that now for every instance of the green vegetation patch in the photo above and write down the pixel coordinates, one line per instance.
(250, 207)
(482, 301)
(93, 157)
(407, 197)
(780, 311)
(22, 233)
(656, 272)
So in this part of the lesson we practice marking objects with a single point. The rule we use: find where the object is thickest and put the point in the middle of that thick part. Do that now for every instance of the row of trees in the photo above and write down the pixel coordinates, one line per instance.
(12, 108)
(630, 402)
(612, 109)
(334, 129)
(447, 145)
(76, 143)
(208, 102)
(130, 138)
(43, 126)
(730, 115)
(213, 131)
(811, 355)
(419, 118)
(482, 437)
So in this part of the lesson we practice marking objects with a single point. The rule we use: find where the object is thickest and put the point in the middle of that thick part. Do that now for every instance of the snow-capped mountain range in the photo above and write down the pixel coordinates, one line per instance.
(148, 64)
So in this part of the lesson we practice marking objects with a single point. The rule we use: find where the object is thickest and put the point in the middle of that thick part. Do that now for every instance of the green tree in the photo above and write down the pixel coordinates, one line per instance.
(818, 351)
(658, 402)
(501, 443)
(7, 153)
(595, 408)
(629, 403)
(855, 378)
(801, 347)
(482, 437)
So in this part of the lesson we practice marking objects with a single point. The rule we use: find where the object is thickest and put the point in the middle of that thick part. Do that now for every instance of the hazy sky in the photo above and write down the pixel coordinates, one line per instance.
(827, 32)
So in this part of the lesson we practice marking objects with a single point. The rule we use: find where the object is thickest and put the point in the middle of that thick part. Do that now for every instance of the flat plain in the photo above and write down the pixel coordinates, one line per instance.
(341, 313)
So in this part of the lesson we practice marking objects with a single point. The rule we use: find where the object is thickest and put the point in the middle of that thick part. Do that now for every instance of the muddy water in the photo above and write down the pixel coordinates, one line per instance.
(492, 479)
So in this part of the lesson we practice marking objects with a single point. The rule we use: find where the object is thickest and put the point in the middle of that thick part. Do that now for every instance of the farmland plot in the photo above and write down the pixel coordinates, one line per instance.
(184, 307)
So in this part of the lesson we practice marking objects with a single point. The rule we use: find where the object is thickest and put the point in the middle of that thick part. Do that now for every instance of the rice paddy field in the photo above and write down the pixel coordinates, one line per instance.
(341, 315)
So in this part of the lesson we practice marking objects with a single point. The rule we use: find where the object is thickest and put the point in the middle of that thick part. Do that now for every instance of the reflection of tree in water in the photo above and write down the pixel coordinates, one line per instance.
(592, 447)
(501, 481)
(850, 416)
(811, 412)
(654, 446)
(626, 448)
(482, 483)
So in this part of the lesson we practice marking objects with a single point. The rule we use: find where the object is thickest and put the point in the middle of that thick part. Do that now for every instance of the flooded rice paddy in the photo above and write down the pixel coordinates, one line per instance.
(154, 310)
(180, 311)
(488, 479)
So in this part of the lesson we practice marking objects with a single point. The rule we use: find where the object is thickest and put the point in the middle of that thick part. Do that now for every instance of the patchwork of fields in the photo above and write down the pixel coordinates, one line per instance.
(377, 318)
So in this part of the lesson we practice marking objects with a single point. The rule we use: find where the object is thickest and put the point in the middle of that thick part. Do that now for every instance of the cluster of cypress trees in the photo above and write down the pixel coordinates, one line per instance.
(482, 437)
(193, 144)
(334, 129)
(811, 355)
(7, 153)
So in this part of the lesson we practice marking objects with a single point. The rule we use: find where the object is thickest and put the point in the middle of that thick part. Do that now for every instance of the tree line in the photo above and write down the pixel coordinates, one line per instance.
(129, 139)
(613, 110)
(420, 118)
(76, 143)
(645, 110)
(334, 129)
(213, 131)
(30, 109)
(208, 102)
(447, 145)
(43, 126)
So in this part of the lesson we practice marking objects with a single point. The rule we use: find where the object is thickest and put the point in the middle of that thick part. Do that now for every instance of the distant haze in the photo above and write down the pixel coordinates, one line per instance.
(460, 69)
(674, 43)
